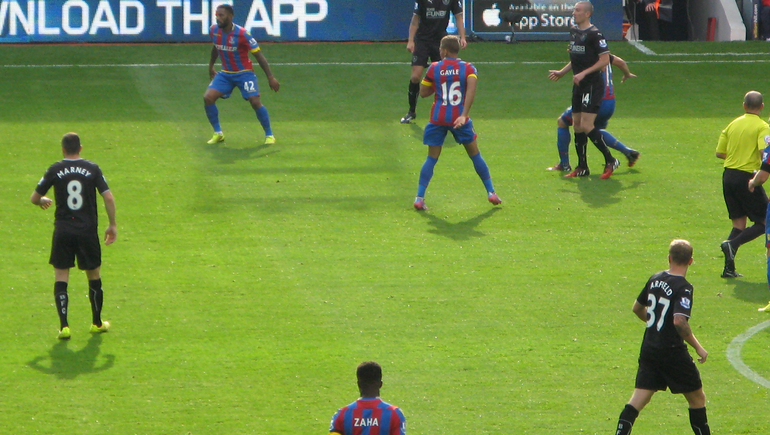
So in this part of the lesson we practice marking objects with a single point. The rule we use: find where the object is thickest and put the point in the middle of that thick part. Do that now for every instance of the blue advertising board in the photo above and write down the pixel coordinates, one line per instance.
(539, 19)
(189, 20)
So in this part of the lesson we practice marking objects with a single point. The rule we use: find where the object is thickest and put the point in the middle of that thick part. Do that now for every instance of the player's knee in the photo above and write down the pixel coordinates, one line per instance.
(696, 399)
(560, 123)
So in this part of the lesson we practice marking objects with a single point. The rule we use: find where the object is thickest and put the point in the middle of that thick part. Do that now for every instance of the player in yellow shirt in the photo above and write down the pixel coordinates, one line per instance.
(740, 145)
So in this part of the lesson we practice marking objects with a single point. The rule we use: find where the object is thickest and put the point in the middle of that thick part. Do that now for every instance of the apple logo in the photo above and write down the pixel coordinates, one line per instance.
(491, 16)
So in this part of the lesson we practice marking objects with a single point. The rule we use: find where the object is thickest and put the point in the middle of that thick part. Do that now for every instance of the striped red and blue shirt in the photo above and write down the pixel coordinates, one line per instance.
(609, 87)
(449, 79)
(369, 416)
(234, 48)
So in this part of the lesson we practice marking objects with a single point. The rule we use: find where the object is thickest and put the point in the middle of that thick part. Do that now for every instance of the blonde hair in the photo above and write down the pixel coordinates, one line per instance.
(450, 43)
(680, 251)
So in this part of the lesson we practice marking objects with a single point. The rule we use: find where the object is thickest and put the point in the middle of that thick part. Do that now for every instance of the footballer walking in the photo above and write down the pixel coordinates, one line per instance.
(75, 182)
(664, 305)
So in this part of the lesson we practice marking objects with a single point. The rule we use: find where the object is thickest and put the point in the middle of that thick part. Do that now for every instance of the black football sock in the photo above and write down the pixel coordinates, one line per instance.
(96, 296)
(581, 143)
(414, 91)
(747, 235)
(598, 139)
(734, 233)
(626, 420)
(699, 421)
(62, 301)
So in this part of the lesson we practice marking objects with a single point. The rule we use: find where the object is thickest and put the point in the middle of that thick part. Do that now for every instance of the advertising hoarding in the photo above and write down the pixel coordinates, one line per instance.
(271, 20)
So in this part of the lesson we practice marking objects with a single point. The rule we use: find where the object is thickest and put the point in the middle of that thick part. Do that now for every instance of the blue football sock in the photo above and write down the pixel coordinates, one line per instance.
(615, 144)
(426, 173)
(483, 170)
(563, 138)
(213, 114)
(264, 119)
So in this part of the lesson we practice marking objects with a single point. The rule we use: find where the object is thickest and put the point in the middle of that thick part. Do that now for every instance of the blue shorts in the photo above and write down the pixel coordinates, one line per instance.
(434, 134)
(226, 82)
(606, 109)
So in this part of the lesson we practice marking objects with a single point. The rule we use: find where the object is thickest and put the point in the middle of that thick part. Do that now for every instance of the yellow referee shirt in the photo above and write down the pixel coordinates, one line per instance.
(742, 142)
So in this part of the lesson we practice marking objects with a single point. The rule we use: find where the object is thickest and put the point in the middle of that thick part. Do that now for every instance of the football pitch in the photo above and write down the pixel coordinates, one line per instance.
(248, 281)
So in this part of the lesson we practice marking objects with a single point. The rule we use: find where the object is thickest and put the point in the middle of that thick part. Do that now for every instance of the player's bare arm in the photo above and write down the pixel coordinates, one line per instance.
(758, 180)
(111, 234)
(470, 95)
(212, 60)
(272, 81)
(426, 90)
(41, 201)
(459, 22)
(640, 311)
(603, 61)
(721, 156)
(683, 328)
(413, 25)
(555, 75)
(620, 63)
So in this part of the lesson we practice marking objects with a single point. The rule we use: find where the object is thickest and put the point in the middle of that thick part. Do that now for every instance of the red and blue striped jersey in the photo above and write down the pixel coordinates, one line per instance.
(609, 87)
(449, 79)
(369, 416)
(234, 48)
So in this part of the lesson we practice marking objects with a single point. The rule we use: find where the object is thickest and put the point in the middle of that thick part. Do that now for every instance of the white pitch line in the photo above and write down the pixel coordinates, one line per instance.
(712, 54)
(305, 64)
(641, 47)
(734, 354)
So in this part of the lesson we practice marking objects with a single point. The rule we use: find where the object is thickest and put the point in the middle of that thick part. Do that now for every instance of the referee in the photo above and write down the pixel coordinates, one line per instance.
(426, 29)
(740, 146)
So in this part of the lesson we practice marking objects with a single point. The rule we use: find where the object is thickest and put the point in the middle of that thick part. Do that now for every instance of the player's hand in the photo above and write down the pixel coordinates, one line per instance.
(463, 42)
(751, 185)
(212, 73)
(45, 202)
(555, 75)
(410, 47)
(702, 354)
(650, 7)
(460, 121)
(577, 78)
(629, 76)
(273, 82)
(110, 235)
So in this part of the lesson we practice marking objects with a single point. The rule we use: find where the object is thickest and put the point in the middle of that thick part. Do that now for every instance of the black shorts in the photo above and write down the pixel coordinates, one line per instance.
(66, 246)
(676, 370)
(740, 202)
(423, 50)
(588, 95)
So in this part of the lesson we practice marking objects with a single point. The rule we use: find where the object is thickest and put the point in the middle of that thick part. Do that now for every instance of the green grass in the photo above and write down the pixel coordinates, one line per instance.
(248, 281)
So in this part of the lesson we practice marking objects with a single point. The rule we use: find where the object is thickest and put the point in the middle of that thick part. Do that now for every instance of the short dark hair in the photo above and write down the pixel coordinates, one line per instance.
(680, 252)
(369, 373)
(71, 143)
(228, 8)
(753, 100)
(589, 6)
(450, 43)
